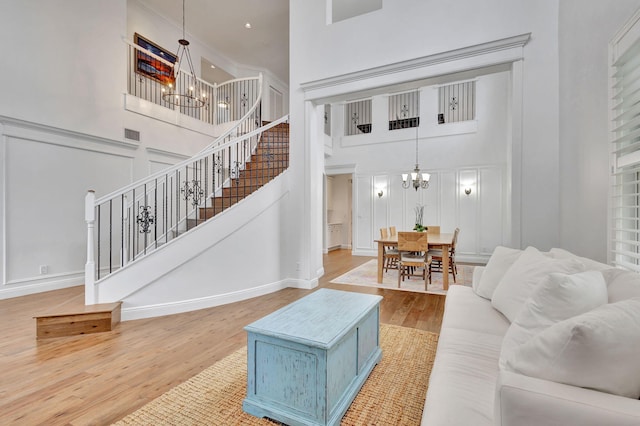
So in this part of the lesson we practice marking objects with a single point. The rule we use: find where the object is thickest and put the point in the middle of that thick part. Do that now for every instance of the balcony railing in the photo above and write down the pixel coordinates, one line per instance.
(224, 103)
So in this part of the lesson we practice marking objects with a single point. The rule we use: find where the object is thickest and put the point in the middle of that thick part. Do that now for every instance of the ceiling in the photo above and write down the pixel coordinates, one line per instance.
(221, 25)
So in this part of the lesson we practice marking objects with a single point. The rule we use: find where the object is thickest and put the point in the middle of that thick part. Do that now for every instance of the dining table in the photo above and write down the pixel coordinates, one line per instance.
(441, 241)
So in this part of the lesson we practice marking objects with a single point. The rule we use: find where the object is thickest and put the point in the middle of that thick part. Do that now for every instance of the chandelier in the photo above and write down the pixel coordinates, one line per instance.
(418, 179)
(180, 91)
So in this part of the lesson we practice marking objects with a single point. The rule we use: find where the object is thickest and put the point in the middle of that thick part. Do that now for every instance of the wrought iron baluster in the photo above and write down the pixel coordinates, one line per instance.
(145, 219)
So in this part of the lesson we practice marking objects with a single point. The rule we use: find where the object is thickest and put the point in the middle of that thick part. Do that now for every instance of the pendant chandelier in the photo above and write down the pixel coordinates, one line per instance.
(418, 179)
(181, 92)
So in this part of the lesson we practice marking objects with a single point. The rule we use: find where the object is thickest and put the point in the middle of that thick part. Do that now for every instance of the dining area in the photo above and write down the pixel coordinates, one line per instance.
(417, 254)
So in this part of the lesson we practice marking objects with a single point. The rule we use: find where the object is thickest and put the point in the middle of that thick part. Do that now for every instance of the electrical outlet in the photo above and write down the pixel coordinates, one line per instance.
(44, 269)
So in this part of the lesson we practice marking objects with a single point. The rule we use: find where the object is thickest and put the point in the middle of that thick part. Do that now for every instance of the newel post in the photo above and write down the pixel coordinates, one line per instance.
(90, 266)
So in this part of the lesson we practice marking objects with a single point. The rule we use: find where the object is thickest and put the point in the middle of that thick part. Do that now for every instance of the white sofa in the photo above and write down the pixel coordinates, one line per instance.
(467, 386)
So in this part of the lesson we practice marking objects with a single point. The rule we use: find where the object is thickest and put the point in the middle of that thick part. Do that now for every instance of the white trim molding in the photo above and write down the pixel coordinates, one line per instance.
(494, 52)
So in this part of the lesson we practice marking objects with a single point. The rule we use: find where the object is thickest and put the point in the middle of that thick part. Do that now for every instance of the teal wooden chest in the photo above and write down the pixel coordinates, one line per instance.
(307, 361)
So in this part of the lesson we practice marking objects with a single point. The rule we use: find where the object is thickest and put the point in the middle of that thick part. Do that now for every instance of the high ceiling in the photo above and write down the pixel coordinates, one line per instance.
(221, 25)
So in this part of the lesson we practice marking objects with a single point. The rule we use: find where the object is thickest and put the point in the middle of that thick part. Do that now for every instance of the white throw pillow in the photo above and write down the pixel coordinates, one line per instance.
(499, 262)
(557, 298)
(589, 264)
(525, 274)
(599, 350)
(621, 284)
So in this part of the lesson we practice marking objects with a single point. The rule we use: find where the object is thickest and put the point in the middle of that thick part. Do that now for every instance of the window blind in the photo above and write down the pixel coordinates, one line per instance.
(625, 190)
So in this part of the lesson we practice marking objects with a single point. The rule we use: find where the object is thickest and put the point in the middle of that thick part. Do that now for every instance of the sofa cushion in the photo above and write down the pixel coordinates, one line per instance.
(465, 310)
(498, 264)
(597, 350)
(463, 379)
(621, 284)
(557, 298)
(524, 275)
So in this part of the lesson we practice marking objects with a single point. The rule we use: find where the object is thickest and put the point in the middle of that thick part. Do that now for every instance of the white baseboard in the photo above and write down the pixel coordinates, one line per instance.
(365, 252)
(303, 284)
(140, 312)
(39, 285)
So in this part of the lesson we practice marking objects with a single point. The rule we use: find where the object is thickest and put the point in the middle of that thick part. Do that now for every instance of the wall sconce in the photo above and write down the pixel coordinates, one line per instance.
(380, 194)
(467, 190)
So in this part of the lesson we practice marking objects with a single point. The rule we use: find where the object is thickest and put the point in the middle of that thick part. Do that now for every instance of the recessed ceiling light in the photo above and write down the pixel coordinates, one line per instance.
(247, 25)
(213, 66)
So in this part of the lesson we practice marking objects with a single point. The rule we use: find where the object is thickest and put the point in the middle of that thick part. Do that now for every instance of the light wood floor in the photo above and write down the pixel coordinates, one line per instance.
(98, 379)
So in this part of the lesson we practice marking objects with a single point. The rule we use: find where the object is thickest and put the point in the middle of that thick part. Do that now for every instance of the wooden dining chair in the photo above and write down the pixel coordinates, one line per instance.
(392, 231)
(432, 229)
(413, 248)
(436, 255)
(389, 253)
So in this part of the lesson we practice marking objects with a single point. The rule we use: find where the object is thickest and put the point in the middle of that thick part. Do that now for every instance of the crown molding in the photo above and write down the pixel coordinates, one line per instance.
(504, 50)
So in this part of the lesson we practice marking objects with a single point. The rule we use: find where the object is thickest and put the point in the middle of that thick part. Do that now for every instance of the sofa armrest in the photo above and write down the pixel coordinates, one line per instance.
(521, 400)
(475, 279)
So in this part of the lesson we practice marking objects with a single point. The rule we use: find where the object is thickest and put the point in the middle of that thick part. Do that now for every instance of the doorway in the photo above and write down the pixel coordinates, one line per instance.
(338, 212)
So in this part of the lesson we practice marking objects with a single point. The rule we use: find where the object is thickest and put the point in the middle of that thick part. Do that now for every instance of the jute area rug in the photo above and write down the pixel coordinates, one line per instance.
(393, 394)
(367, 275)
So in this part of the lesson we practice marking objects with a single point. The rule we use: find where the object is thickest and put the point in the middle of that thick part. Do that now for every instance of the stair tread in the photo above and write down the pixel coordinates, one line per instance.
(72, 308)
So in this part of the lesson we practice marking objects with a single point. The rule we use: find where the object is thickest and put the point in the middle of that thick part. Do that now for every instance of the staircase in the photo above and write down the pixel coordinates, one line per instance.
(235, 180)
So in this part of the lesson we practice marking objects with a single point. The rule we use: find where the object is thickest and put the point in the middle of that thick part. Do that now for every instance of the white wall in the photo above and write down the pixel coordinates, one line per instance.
(585, 29)
(61, 67)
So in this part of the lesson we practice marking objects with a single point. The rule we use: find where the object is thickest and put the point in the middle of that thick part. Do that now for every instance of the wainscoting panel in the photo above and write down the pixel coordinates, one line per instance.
(380, 204)
(412, 199)
(44, 189)
(363, 215)
(467, 212)
(431, 197)
(396, 203)
(448, 205)
(491, 207)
